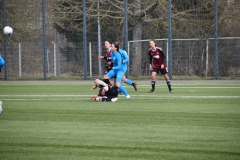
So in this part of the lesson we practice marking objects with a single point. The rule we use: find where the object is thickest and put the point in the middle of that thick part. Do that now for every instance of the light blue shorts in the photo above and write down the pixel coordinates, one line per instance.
(125, 69)
(116, 73)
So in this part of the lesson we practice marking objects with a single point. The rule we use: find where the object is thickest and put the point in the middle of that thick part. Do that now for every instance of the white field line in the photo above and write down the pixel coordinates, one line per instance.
(148, 86)
(51, 99)
(85, 97)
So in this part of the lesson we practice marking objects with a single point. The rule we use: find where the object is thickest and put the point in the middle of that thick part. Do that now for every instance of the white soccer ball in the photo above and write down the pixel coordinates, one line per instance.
(7, 30)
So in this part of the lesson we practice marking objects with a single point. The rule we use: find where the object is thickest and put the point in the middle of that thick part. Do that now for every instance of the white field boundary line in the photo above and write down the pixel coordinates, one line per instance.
(82, 95)
(86, 97)
(148, 86)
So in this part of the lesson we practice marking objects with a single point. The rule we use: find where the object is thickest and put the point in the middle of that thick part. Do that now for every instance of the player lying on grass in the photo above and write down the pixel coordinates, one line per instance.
(108, 93)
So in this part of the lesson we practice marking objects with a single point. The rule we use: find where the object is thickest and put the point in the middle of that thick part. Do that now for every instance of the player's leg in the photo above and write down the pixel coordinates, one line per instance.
(168, 82)
(110, 74)
(153, 81)
(102, 99)
(113, 93)
(114, 82)
(101, 83)
(118, 84)
(1, 107)
(129, 82)
(164, 72)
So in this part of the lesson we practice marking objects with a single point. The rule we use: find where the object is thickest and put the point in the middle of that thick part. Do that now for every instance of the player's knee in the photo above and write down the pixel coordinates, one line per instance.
(124, 79)
(118, 84)
(166, 76)
(105, 77)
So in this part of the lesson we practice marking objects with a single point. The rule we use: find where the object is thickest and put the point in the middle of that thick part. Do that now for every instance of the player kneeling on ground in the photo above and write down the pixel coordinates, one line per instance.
(111, 92)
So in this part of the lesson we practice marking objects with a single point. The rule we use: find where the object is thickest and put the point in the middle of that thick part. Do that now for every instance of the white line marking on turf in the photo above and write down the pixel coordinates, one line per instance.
(184, 87)
(86, 97)
(46, 95)
(51, 99)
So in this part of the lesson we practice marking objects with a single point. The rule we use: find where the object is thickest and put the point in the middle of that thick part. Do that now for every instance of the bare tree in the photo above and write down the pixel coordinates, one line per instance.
(20, 19)
(190, 18)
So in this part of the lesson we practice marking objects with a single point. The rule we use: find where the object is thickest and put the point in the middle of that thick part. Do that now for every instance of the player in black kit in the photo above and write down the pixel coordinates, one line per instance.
(111, 92)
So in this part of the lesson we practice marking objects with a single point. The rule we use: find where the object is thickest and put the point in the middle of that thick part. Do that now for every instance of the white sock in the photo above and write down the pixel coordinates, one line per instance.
(0, 107)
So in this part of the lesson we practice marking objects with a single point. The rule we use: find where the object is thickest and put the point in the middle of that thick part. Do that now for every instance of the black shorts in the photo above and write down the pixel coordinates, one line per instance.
(112, 92)
(162, 71)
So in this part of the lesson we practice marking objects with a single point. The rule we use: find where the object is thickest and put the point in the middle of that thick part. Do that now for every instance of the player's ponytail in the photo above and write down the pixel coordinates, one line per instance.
(117, 45)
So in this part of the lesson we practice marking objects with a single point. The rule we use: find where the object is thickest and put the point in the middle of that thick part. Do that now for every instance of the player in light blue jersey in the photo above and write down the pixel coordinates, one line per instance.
(118, 69)
(125, 58)
(2, 62)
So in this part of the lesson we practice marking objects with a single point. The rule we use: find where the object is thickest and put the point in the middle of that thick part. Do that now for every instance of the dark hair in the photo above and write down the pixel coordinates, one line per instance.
(117, 45)
(154, 42)
(109, 41)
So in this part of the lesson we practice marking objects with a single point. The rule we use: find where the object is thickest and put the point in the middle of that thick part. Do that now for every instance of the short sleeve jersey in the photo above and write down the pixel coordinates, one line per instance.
(108, 57)
(117, 61)
(157, 58)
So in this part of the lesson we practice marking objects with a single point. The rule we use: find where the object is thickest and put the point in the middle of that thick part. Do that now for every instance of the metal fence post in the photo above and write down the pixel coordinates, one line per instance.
(216, 37)
(90, 59)
(20, 60)
(84, 38)
(170, 38)
(126, 29)
(5, 41)
(207, 48)
(99, 43)
(44, 39)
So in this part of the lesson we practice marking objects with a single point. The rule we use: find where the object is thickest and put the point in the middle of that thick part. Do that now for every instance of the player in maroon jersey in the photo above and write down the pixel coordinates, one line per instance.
(107, 56)
(102, 92)
(109, 93)
(157, 61)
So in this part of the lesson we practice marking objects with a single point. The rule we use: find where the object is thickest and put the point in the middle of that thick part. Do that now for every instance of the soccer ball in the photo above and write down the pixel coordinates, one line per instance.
(7, 30)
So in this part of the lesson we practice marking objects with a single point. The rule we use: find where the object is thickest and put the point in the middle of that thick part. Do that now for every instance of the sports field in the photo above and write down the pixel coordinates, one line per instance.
(200, 120)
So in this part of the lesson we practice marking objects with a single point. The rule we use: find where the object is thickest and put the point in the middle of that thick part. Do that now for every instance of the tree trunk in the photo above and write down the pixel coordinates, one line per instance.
(136, 48)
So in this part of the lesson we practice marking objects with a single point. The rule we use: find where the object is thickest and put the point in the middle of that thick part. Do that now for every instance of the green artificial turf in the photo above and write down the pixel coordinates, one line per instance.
(199, 121)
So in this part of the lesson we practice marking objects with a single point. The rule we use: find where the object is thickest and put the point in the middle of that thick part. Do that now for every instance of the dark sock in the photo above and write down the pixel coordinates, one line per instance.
(153, 84)
(169, 84)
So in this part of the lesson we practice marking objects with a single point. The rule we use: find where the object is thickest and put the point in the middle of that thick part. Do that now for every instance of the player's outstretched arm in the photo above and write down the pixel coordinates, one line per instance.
(94, 87)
